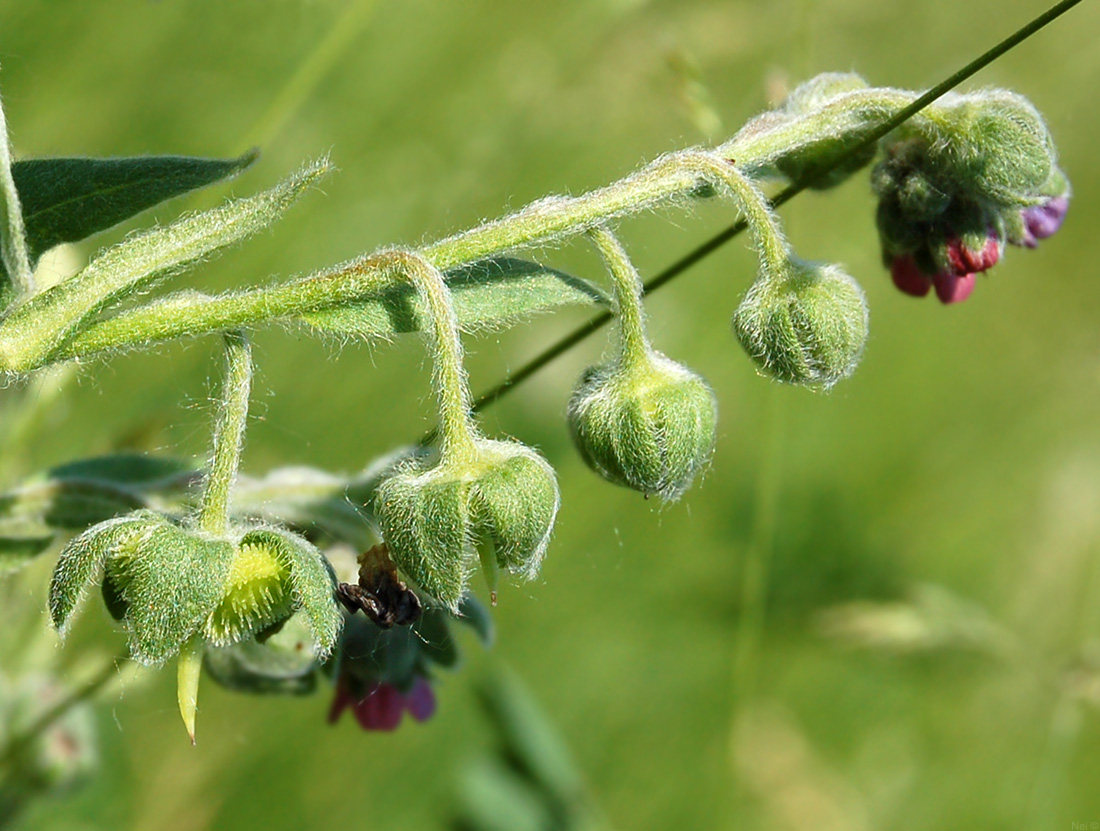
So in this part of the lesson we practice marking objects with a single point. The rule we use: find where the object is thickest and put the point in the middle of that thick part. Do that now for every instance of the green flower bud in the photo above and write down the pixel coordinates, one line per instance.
(1000, 148)
(806, 160)
(648, 424)
(820, 90)
(805, 326)
(434, 519)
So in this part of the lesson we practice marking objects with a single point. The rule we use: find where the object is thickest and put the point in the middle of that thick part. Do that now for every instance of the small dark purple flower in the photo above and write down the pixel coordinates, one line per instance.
(382, 705)
(1042, 221)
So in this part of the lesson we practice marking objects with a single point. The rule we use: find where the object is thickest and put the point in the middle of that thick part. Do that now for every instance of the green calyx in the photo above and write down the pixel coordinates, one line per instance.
(647, 424)
(502, 499)
(806, 326)
(170, 585)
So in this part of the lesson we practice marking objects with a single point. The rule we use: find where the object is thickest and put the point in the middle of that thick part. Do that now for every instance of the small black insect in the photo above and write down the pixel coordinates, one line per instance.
(379, 594)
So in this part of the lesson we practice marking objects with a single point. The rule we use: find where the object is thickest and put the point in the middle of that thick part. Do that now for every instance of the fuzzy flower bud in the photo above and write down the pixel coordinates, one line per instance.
(502, 501)
(647, 424)
(806, 326)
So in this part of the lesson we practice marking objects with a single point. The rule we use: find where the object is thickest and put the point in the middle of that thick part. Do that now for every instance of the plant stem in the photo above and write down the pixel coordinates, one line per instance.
(449, 375)
(627, 287)
(13, 236)
(228, 435)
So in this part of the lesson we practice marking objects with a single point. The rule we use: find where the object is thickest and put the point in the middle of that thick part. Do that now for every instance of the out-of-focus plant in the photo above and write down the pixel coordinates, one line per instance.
(211, 568)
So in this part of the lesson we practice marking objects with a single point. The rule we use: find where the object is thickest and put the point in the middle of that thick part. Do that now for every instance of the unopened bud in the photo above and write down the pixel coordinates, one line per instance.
(649, 425)
(806, 326)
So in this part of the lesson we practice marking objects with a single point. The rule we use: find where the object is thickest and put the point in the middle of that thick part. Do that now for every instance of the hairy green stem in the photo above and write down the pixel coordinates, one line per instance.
(449, 374)
(35, 331)
(228, 435)
(13, 237)
(628, 309)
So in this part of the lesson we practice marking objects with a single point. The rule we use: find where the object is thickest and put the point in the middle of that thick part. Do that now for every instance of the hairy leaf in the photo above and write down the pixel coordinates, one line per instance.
(80, 561)
(69, 199)
(486, 294)
(16, 552)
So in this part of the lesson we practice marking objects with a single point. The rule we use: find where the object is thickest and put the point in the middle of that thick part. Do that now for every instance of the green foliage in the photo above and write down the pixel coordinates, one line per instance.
(39, 327)
(487, 294)
(70, 199)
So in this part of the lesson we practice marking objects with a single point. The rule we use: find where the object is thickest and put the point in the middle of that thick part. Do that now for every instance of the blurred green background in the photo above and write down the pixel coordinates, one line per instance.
(697, 658)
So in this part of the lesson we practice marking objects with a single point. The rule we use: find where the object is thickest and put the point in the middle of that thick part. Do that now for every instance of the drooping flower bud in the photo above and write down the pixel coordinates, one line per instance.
(504, 499)
(806, 326)
(647, 424)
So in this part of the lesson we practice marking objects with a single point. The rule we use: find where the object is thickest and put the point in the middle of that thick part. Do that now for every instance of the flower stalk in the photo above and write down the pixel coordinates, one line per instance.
(229, 431)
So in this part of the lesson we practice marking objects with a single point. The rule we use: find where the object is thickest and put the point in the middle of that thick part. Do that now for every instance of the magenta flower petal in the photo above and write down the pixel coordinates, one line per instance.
(340, 701)
(965, 260)
(420, 700)
(953, 288)
(908, 278)
(381, 709)
(1041, 221)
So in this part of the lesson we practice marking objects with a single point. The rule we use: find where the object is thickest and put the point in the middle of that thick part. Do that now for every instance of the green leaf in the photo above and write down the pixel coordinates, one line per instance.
(436, 642)
(69, 199)
(135, 470)
(473, 613)
(312, 579)
(494, 798)
(80, 561)
(531, 739)
(38, 328)
(487, 294)
(76, 495)
(16, 552)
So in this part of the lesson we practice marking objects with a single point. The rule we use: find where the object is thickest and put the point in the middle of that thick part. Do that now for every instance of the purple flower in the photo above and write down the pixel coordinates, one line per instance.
(382, 705)
(950, 287)
(1041, 221)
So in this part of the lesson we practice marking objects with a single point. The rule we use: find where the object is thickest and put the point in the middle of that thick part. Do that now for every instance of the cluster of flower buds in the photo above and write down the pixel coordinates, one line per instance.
(977, 171)
(497, 502)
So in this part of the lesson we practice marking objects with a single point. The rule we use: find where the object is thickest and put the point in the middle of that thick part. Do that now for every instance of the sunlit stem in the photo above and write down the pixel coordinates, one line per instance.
(13, 236)
(449, 374)
(627, 298)
(228, 435)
